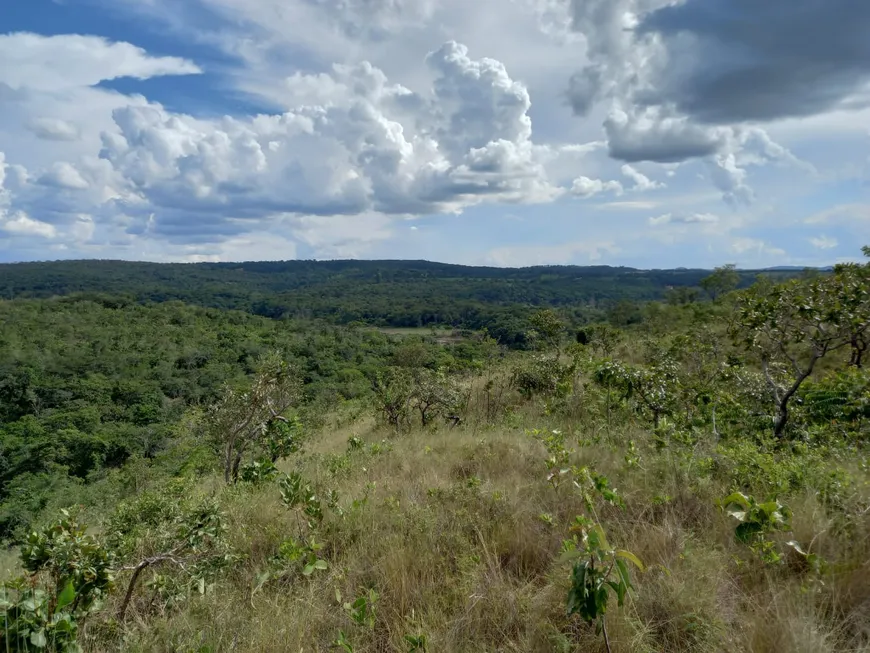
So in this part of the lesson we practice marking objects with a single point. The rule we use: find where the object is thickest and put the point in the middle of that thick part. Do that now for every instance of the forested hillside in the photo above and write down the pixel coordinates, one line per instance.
(84, 386)
(384, 293)
(676, 475)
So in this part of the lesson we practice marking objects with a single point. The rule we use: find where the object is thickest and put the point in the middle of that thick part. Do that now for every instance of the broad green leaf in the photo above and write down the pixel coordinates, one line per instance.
(37, 638)
(737, 497)
(633, 559)
(29, 605)
(624, 576)
(577, 594)
(63, 625)
(747, 530)
(597, 537)
(67, 596)
(619, 588)
(571, 554)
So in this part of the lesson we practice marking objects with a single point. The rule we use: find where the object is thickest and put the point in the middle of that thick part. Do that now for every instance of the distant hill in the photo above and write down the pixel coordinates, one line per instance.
(384, 293)
(797, 268)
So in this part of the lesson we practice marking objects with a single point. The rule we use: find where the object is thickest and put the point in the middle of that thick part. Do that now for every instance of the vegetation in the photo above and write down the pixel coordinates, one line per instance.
(671, 475)
(380, 293)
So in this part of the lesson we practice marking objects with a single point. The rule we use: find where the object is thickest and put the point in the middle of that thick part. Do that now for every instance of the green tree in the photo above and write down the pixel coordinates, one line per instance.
(682, 295)
(858, 276)
(434, 394)
(68, 572)
(243, 422)
(723, 280)
(394, 389)
(548, 327)
(603, 338)
(791, 326)
(624, 313)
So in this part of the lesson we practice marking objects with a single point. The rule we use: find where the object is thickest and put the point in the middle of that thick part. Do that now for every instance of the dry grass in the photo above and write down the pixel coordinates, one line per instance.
(451, 538)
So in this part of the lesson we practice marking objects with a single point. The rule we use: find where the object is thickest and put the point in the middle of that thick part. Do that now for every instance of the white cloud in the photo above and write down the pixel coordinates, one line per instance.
(844, 213)
(371, 146)
(656, 135)
(641, 181)
(20, 224)
(341, 237)
(585, 187)
(63, 175)
(730, 179)
(51, 63)
(692, 218)
(743, 245)
(379, 112)
(630, 205)
(565, 254)
(823, 242)
(82, 230)
(53, 129)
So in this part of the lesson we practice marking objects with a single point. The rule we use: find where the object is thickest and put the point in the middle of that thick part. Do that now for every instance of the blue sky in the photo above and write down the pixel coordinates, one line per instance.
(652, 133)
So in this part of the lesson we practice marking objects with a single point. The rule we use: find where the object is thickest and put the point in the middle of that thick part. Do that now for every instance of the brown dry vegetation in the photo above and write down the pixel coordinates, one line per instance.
(453, 540)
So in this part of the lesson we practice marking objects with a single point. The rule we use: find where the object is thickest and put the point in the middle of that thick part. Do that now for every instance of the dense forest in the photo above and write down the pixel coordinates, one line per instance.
(253, 457)
(84, 386)
(383, 293)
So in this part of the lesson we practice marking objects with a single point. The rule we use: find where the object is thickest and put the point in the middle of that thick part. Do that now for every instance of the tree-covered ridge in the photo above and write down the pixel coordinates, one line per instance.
(387, 293)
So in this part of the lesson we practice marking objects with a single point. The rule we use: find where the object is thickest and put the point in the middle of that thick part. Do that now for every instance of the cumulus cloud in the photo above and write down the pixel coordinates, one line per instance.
(730, 179)
(63, 175)
(681, 80)
(586, 187)
(53, 129)
(351, 148)
(51, 63)
(653, 135)
(724, 61)
(641, 181)
(732, 61)
(354, 145)
(20, 224)
(368, 146)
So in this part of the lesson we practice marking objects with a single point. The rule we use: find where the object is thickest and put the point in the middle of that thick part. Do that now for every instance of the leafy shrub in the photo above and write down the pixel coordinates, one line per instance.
(68, 573)
(543, 375)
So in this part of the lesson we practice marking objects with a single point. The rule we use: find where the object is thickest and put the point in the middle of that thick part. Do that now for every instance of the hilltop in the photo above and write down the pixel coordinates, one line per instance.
(380, 293)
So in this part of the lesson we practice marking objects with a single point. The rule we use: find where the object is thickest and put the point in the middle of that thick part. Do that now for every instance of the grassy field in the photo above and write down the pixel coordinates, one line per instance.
(459, 535)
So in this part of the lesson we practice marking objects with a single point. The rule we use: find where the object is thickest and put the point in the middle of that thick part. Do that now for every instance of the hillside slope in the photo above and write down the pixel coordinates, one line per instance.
(382, 293)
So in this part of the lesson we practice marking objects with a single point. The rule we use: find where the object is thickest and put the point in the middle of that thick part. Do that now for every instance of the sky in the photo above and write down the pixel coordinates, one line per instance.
(648, 133)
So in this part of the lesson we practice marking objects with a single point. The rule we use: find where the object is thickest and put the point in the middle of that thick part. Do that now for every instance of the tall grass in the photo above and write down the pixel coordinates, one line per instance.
(460, 536)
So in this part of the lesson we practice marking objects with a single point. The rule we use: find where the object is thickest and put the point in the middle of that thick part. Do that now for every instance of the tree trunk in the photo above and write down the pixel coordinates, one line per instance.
(859, 346)
(228, 467)
(782, 418)
(132, 586)
(236, 464)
